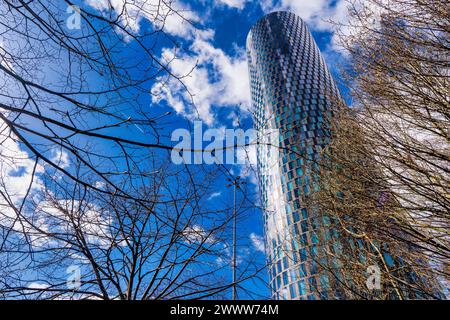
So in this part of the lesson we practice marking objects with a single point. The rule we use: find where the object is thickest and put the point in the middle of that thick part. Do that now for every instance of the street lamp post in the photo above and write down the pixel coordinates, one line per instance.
(235, 183)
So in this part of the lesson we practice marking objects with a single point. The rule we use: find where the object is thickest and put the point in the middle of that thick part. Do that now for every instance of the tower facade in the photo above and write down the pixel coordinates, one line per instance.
(292, 91)
(293, 95)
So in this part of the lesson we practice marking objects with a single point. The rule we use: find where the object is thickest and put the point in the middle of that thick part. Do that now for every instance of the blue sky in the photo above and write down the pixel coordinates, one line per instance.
(215, 42)
(215, 45)
(219, 84)
(209, 53)
(203, 43)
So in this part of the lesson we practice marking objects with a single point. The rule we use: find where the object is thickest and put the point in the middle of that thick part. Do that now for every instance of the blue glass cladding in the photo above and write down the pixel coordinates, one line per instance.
(291, 88)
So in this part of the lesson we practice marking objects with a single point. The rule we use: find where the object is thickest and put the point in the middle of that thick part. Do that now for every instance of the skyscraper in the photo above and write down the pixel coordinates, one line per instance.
(291, 89)
(293, 95)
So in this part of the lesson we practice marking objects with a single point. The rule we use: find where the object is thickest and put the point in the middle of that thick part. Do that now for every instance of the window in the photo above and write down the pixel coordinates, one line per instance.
(324, 282)
(290, 186)
(312, 283)
(285, 278)
(388, 259)
(302, 271)
(313, 269)
(293, 275)
(301, 288)
(304, 213)
(303, 255)
(292, 290)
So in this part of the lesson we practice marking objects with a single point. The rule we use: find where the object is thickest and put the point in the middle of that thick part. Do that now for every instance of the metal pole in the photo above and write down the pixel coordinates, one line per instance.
(234, 242)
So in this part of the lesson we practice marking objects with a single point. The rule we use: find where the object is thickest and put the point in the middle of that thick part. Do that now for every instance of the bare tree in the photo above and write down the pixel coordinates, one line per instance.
(74, 243)
(73, 91)
(384, 176)
(97, 189)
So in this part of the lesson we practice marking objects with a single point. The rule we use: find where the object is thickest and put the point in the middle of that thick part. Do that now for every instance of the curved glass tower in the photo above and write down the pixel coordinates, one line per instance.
(293, 94)
(292, 90)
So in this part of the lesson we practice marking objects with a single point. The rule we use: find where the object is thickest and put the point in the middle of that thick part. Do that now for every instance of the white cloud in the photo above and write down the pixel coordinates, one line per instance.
(212, 78)
(197, 234)
(315, 13)
(322, 15)
(248, 157)
(239, 4)
(174, 18)
(37, 285)
(258, 242)
(92, 221)
(99, 184)
(215, 195)
(16, 175)
(308, 10)
(61, 159)
(243, 255)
